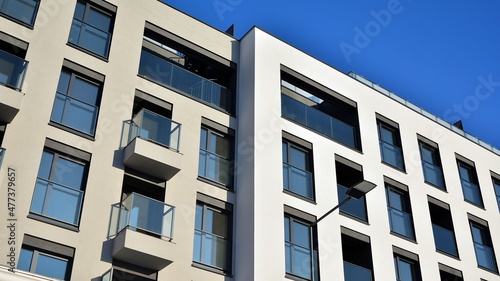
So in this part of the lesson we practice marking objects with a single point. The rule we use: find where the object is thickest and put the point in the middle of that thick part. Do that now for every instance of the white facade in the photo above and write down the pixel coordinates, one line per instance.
(243, 206)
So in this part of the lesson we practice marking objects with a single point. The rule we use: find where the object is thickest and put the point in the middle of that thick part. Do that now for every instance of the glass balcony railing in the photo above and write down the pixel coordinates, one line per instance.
(444, 240)
(90, 38)
(355, 207)
(211, 249)
(214, 167)
(166, 72)
(485, 256)
(301, 262)
(74, 113)
(391, 154)
(354, 272)
(433, 174)
(21, 10)
(57, 201)
(12, 70)
(2, 153)
(140, 213)
(471, 192)
(153, 127)
(318, 121)
(401, 223)
(298, 181)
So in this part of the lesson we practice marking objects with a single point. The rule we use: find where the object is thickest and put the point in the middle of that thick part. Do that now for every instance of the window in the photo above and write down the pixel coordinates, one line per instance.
(23, 11)
(496, 186)
(447, 273)
(189, 69)
(297, 170)
(357, 256)
(212, 236)
(320, 109)
(216, 156)
(59, 187)
(390, 145)
(442, 227)
(431, 165)
(348, 174)
(300, 249)
(123, 271)
(400, 218)
(406, 269)
(485, 254)
(77, 100)
(92, 27)
(13, 67)
(470, 185)
(46, 258)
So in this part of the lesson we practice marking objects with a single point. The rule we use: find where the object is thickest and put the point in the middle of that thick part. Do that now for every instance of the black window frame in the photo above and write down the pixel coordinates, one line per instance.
(496, 189)
(436, 162)
(413, 263)
(21, 22)
(482, 226)
(396, 138)
(473, 179)
(406, 206)
(442, 220)
(290, 144)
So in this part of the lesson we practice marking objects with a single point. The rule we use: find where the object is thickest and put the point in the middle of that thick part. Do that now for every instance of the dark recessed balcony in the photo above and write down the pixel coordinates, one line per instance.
(151, 145)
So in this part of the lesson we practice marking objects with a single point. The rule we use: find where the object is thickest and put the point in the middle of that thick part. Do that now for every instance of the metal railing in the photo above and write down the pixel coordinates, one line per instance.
(153, 127)
(12, 70)
(297, 180)
(166, 72)
(140, 213)
(318, 121)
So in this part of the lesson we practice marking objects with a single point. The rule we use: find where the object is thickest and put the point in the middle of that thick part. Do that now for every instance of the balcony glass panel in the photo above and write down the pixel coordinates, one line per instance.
(355, 207)
(140, 213)
(444, 240)
(496, 185)
(297, 181)
(2, 153)
(74, 113)
(318, 121)
(485, 256)
(90, 38)
(301, 262)
(153, 127)
(433, 174)
(214, 167)
(471, 192)
(354, 272)
(22, 10)
(391, 154)
(57, 201)
(401, 223)
(12, 70)
(211, 249)
(166, 72)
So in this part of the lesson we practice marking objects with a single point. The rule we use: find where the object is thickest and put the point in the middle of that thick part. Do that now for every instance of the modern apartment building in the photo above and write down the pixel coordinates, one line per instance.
(141, 144)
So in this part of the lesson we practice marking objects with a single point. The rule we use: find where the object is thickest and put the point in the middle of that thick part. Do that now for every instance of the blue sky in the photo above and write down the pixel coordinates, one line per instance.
(443, 56)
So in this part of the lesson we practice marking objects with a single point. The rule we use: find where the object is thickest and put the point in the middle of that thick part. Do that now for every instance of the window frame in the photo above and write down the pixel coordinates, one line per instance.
(436, 162)
(308, 164)
(445, 207)
(312, 244)
(486, 240)
(396, 139)
(412, 263)
(406, 209)
(21, 22)
(496, 189)
(473, 179)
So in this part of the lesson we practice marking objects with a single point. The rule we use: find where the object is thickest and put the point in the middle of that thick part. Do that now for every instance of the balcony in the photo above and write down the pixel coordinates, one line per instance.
(211, 250)
(151, 145)
(298, 181)
(301, 263)
(12, 72)
(401, 223)
(354, 272)
(471, 192)
(318, 121)
(433, 174)
(444, 240)
(142, 228)
(391, 155)
(167, 72)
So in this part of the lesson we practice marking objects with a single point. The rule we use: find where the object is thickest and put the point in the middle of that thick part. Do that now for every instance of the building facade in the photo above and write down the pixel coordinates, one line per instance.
(141, 144)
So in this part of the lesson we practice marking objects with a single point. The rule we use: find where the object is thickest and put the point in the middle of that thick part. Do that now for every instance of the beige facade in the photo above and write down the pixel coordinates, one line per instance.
(175, 168)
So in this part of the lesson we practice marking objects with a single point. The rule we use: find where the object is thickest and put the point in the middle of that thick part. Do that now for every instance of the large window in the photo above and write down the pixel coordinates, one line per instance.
(400, 217)
(77, 100)
(297, 170)
(357, 256)
(46, 258)
(23, 11)
(216, 157)
(59, 189)
(212, 237)
(442, 227)
(485, 254)
(390, 145)
(300, 249)
(470, 184)
(406, 269)
(92, 27)
(431, 165)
